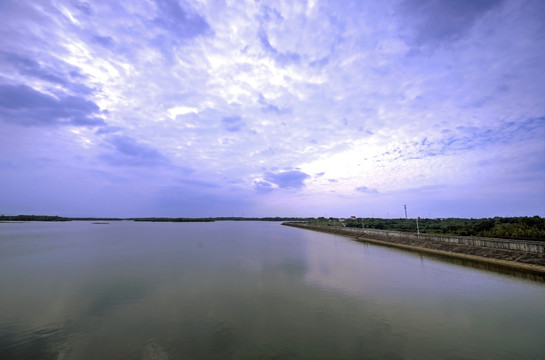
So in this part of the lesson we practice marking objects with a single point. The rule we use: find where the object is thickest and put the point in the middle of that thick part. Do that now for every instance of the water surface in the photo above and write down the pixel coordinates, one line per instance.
(249, 290)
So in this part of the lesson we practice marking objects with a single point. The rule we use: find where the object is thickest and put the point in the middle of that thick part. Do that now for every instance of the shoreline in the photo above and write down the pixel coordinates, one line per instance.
(502, 258)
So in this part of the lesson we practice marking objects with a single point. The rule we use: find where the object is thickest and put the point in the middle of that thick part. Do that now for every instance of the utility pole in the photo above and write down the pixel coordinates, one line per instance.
(405, 206)
(417, 228)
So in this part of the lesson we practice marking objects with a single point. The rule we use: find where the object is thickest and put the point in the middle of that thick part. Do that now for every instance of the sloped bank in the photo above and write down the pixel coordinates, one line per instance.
(526, 256)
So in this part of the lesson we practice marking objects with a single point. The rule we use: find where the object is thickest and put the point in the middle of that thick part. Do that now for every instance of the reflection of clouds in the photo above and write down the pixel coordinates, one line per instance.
(255, 290)
(339, 264)
(118, 294)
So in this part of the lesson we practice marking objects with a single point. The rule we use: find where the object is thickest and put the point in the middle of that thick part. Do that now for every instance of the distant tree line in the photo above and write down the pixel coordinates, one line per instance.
(96, 219)
(525, 227)
(210, 219)
(163, 219)
(32, 218)
(152, 219)
(276, 218)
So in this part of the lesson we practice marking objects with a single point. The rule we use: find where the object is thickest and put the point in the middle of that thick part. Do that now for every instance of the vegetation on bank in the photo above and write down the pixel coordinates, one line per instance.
(155, 219)
(270, 218)
(32, 218)
(152, 219)
(525, 227)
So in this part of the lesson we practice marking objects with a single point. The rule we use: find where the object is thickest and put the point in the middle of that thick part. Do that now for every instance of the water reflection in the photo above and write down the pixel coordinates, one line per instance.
(110, 296)
(246, 291)
(525, 275)
(42, 343)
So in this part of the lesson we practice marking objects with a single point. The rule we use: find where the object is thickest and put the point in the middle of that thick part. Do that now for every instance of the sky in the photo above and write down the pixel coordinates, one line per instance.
(201, 108)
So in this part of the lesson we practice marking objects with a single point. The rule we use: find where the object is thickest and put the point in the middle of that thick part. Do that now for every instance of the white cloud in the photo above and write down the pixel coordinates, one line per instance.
(181, 110)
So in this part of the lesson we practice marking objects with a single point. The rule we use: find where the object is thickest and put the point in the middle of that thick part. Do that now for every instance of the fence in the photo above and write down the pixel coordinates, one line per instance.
(510, 244)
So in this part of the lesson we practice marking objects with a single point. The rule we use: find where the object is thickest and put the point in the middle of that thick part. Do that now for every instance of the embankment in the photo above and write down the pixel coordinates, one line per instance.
(521, 255)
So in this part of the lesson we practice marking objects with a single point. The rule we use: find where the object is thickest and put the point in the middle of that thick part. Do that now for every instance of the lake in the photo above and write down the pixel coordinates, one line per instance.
(249, 290)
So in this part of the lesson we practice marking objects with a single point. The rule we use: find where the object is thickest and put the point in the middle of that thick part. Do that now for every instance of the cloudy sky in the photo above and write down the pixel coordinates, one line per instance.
(272, 108)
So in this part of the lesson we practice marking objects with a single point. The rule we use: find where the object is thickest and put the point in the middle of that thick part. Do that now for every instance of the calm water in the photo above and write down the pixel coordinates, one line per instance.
(249, 290)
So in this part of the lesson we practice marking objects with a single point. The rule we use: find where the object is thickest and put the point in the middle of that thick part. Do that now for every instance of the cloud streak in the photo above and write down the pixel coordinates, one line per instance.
(432, 23)
(23, 105)
(127, 151)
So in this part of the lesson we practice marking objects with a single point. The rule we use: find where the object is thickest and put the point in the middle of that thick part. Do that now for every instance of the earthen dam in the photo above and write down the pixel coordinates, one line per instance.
(520, 255)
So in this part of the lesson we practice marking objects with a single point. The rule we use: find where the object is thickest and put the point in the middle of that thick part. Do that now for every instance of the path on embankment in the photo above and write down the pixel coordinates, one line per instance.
(515, 254)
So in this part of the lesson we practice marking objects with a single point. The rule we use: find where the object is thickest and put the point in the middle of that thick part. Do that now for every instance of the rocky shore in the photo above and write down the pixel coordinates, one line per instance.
(520, 260)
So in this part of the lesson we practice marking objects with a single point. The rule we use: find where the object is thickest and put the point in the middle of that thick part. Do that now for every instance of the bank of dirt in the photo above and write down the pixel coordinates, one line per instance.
(520, 260)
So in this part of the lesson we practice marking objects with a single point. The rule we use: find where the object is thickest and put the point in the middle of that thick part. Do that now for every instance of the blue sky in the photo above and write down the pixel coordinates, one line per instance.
(281, 108)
